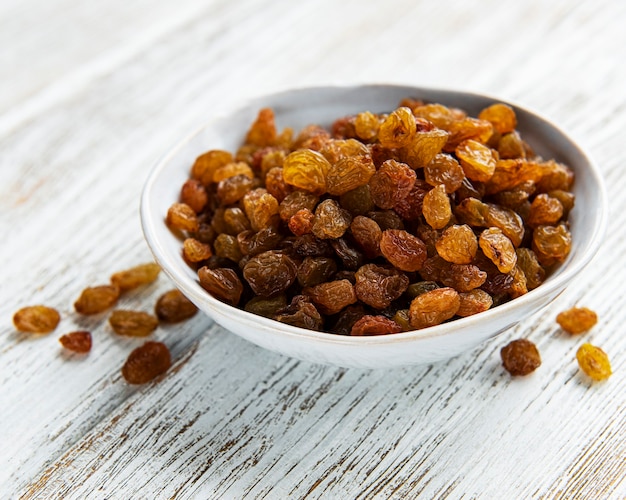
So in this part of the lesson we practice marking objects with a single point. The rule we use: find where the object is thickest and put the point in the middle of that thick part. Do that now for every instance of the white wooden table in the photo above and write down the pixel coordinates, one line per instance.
(92, 93)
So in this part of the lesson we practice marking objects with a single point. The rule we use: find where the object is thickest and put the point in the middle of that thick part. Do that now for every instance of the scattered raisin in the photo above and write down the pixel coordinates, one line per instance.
(133, 323)
(36, 319)
(137, 276)
(146, 362)
(97, 299)
(79, 341)
(577, 320)
(594, 362)
(520, 357)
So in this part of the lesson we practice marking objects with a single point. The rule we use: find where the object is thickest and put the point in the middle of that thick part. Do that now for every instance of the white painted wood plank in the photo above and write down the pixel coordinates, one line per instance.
(234, 420)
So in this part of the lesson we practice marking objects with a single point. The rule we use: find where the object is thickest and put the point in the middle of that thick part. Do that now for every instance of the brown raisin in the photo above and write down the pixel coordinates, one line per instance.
(594, 362)
(227, 246)
(374, 325)
(194, 194)
(174, 307)
(253, 243)
(378, 286)
(267, 307)
(332, 296)
(411, 206)
(276, 185)
(433, 307)
(528, 263)
(391, 183)
(331, 221)
(132, 323)
(36, 319)
(358, 201)
(403, 250)
(79, 341)
(315, 270)
(232, 189)
(301, 313)
(96, 299)
(367, 234)
(270, 273)
(146, 362)
(295, 201)
(222, 283)
(520, 357)
(235, 220)
(577, 320)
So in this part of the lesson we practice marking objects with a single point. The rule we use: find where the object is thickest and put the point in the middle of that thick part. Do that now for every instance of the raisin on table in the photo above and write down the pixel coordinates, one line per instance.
(520, 357)
(594, 362)
(146, 362)
(36, 319)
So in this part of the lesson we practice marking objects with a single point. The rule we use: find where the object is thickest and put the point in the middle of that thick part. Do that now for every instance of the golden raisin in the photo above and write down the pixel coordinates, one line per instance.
(501, 116)
(398, 129)
(174, 307)
(594, 362)
(366, 125)
(577, 320)
(146, 362)
(79, 341)
(436, 207)
(36, 319)
(307, 170)
(476, 159)
(137, 276)
(94, 300)
(182, 217)
(544, 210)
(498, 248)
(520, 357)
(132, 323)
(458, 244)
(207, 163)
(444, 169)
(474, 302)
(196, 251)
(551, 244)
(263, 130)
(434, 307)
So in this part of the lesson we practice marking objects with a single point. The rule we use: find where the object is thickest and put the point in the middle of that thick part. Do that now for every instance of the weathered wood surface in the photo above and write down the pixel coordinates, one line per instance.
(91, 94)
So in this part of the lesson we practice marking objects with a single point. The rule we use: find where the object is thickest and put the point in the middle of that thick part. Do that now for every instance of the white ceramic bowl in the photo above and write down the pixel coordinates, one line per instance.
(297, 108)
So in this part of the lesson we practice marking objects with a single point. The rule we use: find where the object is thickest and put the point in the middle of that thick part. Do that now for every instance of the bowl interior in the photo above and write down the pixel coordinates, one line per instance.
(301, 107)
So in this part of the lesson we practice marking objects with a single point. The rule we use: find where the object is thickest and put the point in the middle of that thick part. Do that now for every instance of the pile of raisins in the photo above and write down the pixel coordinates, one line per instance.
(382, 224)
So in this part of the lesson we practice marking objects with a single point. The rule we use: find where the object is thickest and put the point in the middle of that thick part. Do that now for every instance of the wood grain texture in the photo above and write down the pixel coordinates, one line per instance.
(92, 95)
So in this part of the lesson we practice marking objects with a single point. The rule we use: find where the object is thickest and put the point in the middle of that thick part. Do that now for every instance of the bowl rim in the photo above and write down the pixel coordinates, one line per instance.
(150, 220)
